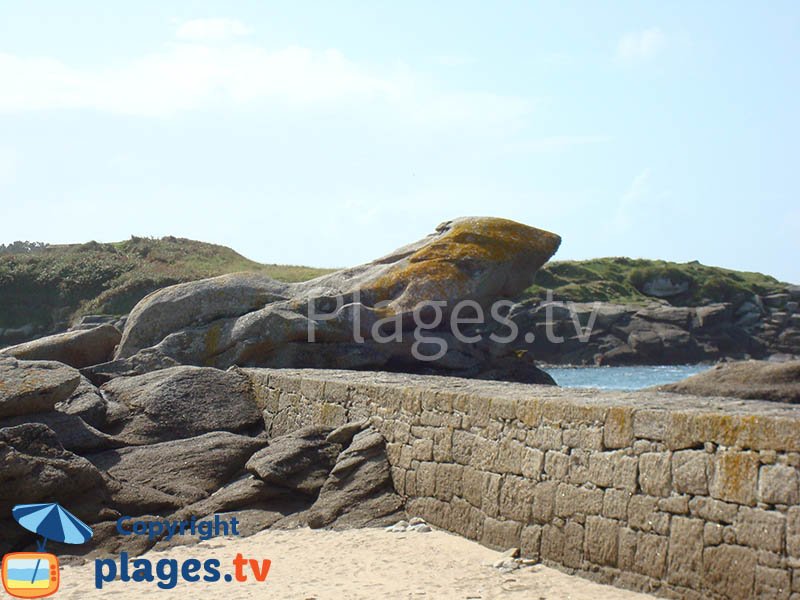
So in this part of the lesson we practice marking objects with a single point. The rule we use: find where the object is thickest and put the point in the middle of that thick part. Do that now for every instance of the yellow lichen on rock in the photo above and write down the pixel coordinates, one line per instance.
(467, 252)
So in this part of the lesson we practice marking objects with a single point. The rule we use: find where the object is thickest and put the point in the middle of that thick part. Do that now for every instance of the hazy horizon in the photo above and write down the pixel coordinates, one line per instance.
(330, 134)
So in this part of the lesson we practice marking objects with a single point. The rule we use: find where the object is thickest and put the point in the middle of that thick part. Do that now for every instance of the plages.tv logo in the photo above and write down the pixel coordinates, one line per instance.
(36, 574)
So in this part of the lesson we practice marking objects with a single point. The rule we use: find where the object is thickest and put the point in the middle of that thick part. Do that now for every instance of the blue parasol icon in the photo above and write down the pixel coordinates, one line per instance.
(52, 522)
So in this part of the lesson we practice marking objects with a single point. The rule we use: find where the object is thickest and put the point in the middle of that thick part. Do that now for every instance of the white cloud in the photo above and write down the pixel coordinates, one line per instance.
(185, 76)
(641, 45)
(211, 30)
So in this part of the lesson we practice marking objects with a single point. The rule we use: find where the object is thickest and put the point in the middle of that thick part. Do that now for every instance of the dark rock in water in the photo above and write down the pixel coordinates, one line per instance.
(752, 379)
(359, 490)
(77, 349)
(251, 320)
(188, 469)
(87, 403)
(72, 432)
(299, 461)
(37, 468)
(182, 402)
(34, 386)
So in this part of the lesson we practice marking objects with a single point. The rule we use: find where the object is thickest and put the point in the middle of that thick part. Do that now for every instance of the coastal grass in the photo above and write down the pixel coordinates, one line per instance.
(622, 280)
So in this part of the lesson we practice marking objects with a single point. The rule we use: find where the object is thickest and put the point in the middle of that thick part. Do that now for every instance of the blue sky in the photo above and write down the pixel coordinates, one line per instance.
(328, 133)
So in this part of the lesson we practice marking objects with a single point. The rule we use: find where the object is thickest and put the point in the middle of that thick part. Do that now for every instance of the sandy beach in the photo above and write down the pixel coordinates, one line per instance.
(356, 564)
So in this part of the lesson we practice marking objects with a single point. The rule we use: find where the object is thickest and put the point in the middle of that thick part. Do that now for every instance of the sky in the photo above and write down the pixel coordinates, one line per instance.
(329, 133)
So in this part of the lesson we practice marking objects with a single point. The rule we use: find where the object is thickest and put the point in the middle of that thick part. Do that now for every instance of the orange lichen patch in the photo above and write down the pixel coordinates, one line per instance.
(440, 266)
(735, 478)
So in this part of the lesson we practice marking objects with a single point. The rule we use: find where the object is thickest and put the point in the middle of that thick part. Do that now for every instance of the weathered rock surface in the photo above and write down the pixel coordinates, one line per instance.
(299, 461)
(612, 334)
(752, 379)
(35, 467)
(87, 403)
(182, 402)
(72, 432)
(250, 320)
(34, 386)
(188, 470)
(77, 349)
(359, 490)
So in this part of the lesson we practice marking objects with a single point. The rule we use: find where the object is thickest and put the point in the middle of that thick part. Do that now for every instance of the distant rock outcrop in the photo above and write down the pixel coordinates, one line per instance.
(752, 379)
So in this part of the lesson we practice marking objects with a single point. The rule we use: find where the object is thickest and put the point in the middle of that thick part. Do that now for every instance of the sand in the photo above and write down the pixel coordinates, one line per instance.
(364, 564)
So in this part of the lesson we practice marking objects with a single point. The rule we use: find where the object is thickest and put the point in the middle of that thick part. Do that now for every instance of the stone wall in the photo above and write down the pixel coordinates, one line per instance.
(680, 496)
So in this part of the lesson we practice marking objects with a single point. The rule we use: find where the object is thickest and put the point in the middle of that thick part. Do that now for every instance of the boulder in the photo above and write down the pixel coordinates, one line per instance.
(752, 379)
(188, 470)
(87, 403)
(34, 386)
(77, 349)
(250, 320)
(299, 461)
(182, 402)
(359, 490)
(35, 467)
(72, 432)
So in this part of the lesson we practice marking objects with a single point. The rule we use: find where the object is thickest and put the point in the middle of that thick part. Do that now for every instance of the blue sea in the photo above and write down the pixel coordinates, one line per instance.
(621, 378)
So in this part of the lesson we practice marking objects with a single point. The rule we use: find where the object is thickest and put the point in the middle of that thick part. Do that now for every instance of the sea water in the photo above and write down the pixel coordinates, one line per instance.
(622, 378)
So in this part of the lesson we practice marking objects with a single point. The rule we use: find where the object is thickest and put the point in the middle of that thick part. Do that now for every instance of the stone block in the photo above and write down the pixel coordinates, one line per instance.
(777, 484)
(618, 428)
(472, 486)
(463, 443)
(729, 571)
(601, 468)
(712, 534)
(643, 514)
(510, 456)
(654, 473)
(501, 535)
(760, 529)
(516, 498)
(709, 509)
(690, 472)
(448, 481)
(426, 479)
(677, 505)
(572, 500)
(530, 542)
(793, 532)
(490, 496)
(573, 545)
(651, 555)
(626, 472)
(552, 547)
(585, 438)
(556, 465)
(532, 463)
(545, 438)
(626, 551)
(734, 476)
(602, 537)
(544, 495)
(484, 453)
(465, 519)
(686, 552)
(422, 449)
(615, 504)
(772, 584)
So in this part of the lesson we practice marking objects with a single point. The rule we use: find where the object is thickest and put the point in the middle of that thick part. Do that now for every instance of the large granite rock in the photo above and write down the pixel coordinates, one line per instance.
(251, 320)
(77, 349)
(181, 471)
(182, 402)
(752, 379)
(72, 432)
(299, 461)
(35, 467)
(34, 386)
(358, 491)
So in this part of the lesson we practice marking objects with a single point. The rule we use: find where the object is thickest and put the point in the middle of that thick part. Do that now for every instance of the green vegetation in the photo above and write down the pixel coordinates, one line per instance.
(622, 280)
(48, 284)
